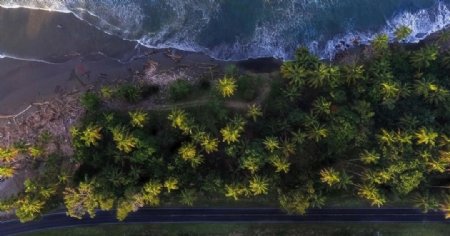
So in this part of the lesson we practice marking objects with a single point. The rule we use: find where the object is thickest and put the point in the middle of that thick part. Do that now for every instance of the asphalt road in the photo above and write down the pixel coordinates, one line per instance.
(205, 215)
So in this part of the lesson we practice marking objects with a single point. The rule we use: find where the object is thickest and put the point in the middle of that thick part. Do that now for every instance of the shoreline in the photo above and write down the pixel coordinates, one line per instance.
(24, 81)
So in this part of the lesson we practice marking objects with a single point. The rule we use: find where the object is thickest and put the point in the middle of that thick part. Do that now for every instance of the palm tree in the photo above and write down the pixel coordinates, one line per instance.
(299, 137)
(259, 185)
(29, 209)
(425, 202)
(322, 106)
(387, 137)
(390, 90)
(426, 136)
(227, 86)
(188, 197)
(292, 93)
(446, 58)
(317, 132)
(209, 144)
(353, 73)
(271, 144)
(125, 142)
(6, 172)
(138, 118)
(280, 164)
(404, 137)
(80, 200)
(424, 57)
(288, 147)
(370, 157)
(235, 191)
(345, 181)
(35, 151)
(409, 122)
(152, 188)
(372, 194)
(251, 162)
(330, 176)
(91, 135)
(187, 151)
(445, 206)
(432, 92)
(381, 43)
(325, 75)
(294, 73)
(402, 32)
(107, 92)
(238, 122)
(254, 111)
(8, 154)
(232, 132)
(180, 120)
(171, 184)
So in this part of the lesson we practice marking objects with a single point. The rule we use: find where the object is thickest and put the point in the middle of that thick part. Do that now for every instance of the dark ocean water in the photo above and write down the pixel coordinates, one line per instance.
(240, 29)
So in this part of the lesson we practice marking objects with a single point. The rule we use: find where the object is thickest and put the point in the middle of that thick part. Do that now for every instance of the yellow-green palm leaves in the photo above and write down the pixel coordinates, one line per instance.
(125, 141)
(6, 172)
(91, 135)
(259, 185)
(209, 144)
(254, 111)
(426, 136)
(171, 184)
(330, 176)
(235, 191)
(280, 164)
(233, 130)
(138, 118)
(188, 152)
(8, 154)
(271, 144)
(372, 194)
(227, 86)
(179, 119)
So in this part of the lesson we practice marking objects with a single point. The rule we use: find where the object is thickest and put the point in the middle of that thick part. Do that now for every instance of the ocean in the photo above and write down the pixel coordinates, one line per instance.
(242, 29)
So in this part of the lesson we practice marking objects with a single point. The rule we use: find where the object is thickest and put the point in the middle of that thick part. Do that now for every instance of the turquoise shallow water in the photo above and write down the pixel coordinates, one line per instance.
(239, 29)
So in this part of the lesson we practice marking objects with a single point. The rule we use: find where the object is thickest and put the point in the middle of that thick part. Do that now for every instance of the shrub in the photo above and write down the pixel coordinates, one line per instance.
(247, 88)
(90, 101)
(129, 93)
(179, 90)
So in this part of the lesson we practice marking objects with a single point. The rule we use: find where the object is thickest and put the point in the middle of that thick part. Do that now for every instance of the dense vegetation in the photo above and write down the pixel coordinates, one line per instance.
(377, 129)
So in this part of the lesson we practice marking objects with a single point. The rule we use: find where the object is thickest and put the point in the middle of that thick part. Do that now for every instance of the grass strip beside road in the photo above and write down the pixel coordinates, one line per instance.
(335, 229)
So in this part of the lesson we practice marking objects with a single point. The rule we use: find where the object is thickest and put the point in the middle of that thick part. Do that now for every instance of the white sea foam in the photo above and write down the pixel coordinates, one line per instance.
(422, 23)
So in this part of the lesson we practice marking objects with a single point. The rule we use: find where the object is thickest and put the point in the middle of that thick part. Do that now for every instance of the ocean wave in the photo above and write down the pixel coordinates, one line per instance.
(422, 23)
(286, 25)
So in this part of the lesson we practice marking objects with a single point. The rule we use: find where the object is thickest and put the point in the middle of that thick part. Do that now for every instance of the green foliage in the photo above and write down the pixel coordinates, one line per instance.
(247, 87)
(402, 32)
(129, 93)
(227, 86)
(81, 200)
(180, 89)
(376, 129)
(90, 101)
(138, 118)
(381, 43)
(423, 58)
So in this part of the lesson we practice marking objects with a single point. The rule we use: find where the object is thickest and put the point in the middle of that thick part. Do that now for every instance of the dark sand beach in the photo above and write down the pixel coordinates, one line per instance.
(46, 48)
